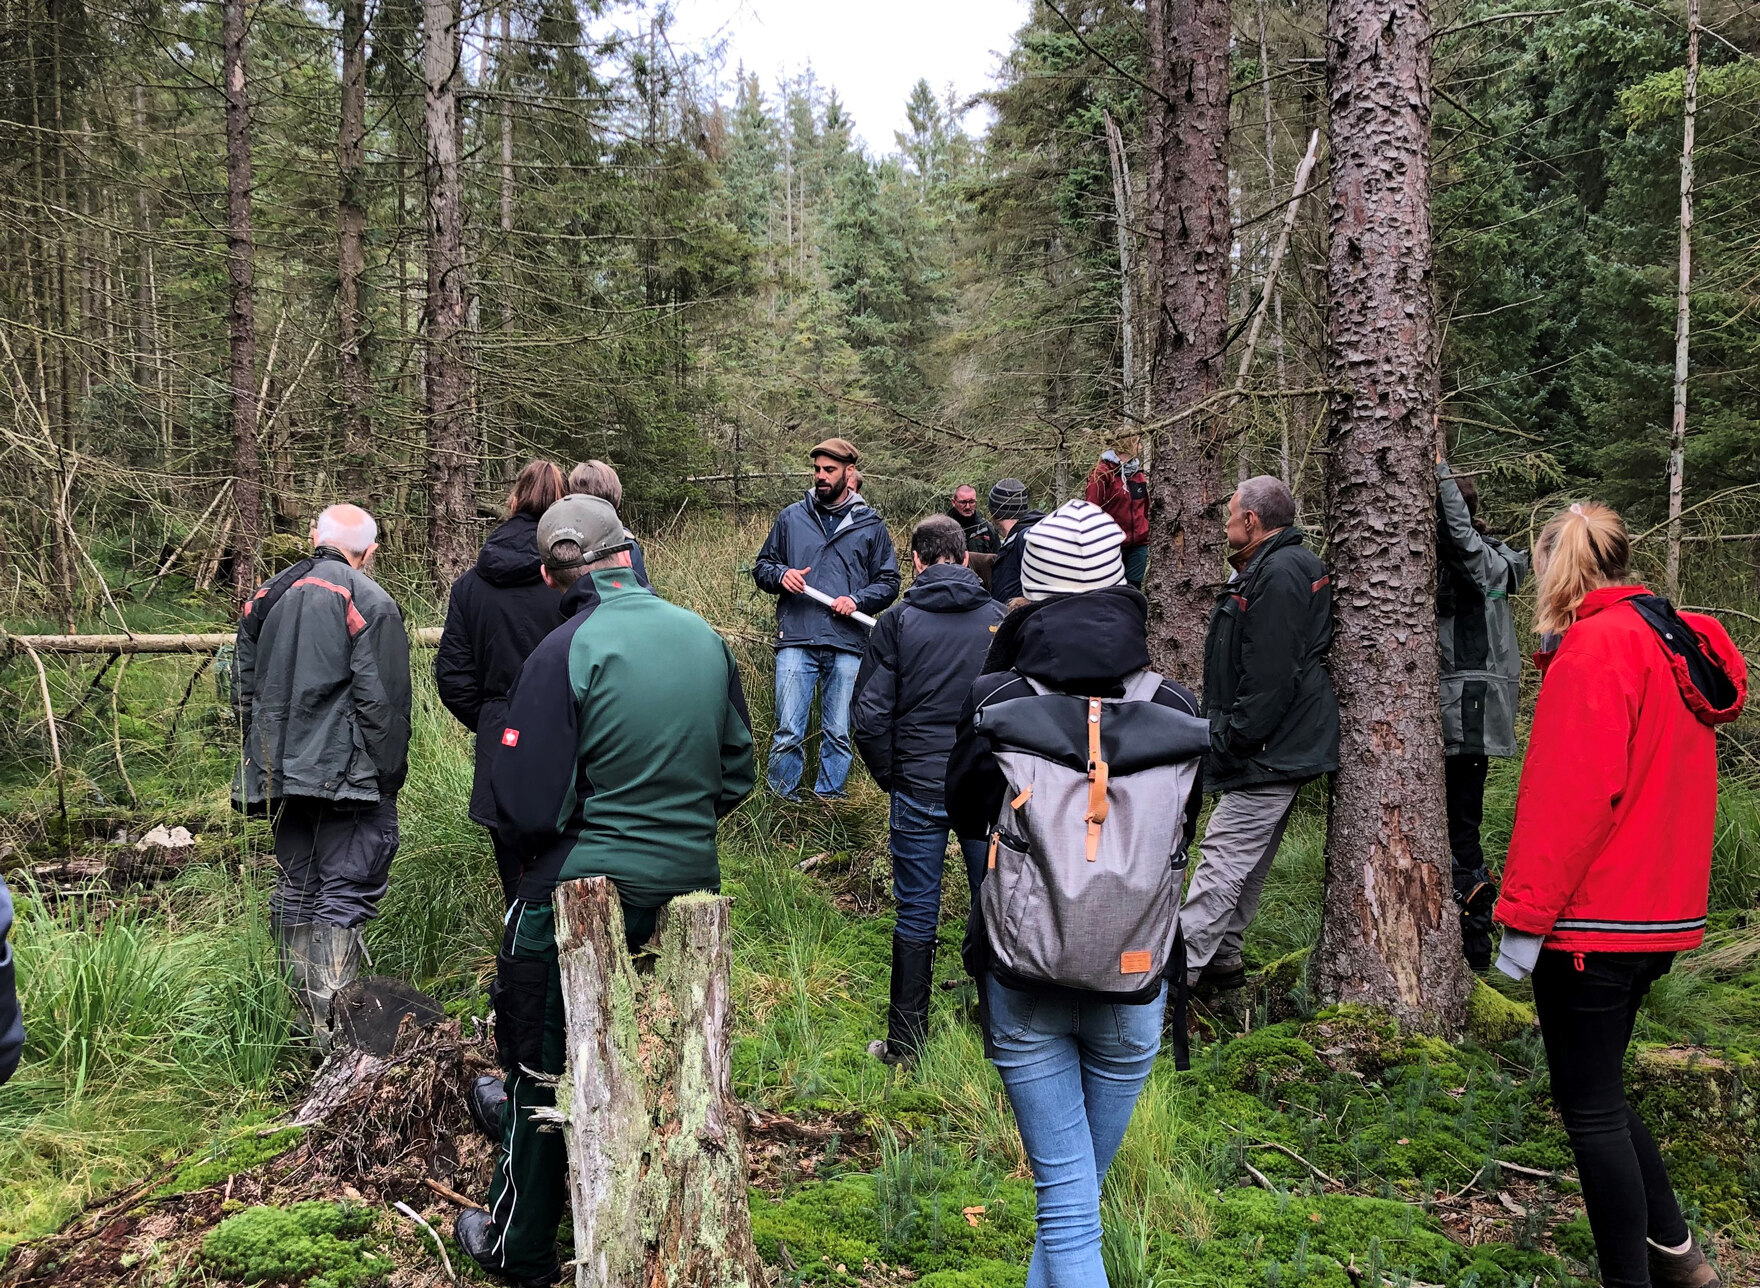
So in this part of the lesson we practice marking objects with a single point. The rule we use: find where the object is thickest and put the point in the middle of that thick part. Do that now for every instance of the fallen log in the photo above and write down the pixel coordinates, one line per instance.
(208, 642)
(656, 1146)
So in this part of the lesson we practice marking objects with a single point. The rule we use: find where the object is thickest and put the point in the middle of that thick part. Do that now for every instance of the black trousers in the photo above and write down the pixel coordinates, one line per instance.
(1586, 1016)
(1464, 778)
(508, 866)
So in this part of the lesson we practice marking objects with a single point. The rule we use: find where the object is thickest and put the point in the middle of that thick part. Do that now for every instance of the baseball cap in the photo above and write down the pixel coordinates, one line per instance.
(589, 522)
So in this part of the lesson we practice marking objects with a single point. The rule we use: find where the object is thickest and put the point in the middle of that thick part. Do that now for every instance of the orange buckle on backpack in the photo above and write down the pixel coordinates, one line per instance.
(1098, 774)
(995, 839)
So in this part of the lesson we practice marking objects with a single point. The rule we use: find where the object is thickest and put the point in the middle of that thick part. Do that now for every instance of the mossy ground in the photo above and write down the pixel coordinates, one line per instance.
(160, 1035)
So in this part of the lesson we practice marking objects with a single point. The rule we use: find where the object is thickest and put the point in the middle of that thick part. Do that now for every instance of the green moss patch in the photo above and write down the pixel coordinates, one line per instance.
(316, 1245)
(243, 1151)
(1493, 1018)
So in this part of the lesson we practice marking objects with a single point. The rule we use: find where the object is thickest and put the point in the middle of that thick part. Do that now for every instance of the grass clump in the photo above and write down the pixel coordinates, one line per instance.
(316, 1245)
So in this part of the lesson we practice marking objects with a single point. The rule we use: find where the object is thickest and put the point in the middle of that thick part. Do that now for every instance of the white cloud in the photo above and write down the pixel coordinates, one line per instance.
(871, 54)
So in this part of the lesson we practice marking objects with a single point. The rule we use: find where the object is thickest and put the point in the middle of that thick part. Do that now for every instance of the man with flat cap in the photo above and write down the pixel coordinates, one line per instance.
(833, 542)
(627, 741)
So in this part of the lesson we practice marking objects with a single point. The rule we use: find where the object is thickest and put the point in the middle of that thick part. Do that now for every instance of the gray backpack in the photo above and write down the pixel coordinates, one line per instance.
(1086, 862)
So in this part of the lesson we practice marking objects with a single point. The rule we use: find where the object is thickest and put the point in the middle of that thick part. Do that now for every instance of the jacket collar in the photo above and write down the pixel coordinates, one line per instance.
(1606, 597)
(607, 583)
(321, 553)
(1244, 561)
(855, 511)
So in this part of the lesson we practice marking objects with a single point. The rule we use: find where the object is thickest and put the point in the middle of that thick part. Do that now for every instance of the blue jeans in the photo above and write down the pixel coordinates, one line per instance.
(919, 849)
(799, 672)
(1073, 1070)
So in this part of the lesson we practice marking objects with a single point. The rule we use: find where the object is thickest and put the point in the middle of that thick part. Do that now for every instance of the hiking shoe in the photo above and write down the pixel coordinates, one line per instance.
(1687, 1269)
(1212, 979)
(887, 1054)
(476, 1235)
(485, 1099)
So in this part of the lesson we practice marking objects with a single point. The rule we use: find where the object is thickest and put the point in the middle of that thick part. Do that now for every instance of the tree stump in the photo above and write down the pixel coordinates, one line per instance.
(656, 1150)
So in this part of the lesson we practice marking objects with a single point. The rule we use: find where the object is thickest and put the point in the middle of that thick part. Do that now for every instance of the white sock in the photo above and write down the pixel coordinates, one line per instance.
(1680, 1251)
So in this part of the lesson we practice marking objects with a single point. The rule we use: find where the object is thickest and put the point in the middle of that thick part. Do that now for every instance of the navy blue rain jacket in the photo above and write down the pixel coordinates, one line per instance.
(856, 560)
(11, 1025)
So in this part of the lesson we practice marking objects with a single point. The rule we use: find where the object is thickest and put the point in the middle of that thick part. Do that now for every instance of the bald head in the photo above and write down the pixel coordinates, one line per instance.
(349, 529)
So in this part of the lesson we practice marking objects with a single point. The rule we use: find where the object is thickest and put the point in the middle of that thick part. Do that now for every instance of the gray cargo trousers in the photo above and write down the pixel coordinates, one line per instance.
(335, 860)
(1240, 841)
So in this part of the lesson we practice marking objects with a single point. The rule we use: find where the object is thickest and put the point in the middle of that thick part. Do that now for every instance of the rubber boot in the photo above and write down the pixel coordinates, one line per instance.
(907, 1014)
(335, 964)
(293, 951)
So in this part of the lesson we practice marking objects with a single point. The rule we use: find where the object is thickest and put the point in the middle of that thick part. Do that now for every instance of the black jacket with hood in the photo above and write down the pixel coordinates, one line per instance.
(916, 676)
(11, 1023)
(1005, 574)
(499, 612)
(1267, 692)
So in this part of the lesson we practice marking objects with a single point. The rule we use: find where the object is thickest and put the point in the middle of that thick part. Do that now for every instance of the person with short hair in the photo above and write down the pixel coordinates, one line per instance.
(626, 742)
(498, 612)
(835, 543)
(1609, 862)
(922, 657)
(1273, 720)
(962, 508)
(1121, 488)
(1477, 576)
(1014, 515)
(598, 478)
(321, 690)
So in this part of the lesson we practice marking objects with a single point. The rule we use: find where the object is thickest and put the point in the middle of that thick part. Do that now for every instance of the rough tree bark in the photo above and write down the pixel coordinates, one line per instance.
(1683, 312)
(451, 442)
(1390, 936)
(656, 1151)
(1122, 214)
(241, 320)
(351, 256)
(1189, 239)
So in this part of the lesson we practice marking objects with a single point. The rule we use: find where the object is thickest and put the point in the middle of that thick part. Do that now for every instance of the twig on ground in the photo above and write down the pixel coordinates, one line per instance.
(116, 731)
(1288, 1152)
(1539, 1173)
(54, 741)
(1259, 1178)
(451, 1195)
(439, 1244)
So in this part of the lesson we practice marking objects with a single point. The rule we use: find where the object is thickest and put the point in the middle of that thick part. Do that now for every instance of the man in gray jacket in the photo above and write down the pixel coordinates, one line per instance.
(1476, 576)
(321, 690)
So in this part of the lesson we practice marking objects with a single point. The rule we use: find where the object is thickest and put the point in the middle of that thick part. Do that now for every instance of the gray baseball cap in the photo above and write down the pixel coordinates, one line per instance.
(587, 521)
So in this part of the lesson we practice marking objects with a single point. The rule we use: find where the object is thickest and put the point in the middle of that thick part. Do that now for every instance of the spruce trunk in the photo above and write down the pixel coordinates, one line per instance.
(656, 1148)
(351, 257)
(451, 444)
(1390, 935)
(241, 318)
(1189, 239)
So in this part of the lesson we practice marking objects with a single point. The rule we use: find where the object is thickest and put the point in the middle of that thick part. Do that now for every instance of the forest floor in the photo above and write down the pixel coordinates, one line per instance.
(145, 1138)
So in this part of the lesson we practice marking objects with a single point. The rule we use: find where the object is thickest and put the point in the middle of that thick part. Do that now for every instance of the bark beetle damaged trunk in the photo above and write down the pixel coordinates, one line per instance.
(1390, 935)
(656, 1147)
(1189, 239)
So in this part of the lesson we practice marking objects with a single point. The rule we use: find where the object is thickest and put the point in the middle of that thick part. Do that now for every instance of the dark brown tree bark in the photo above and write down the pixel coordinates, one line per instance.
(351, 258)
(1188, 242)
(1391, 935)
(452, 465)
(241, 321)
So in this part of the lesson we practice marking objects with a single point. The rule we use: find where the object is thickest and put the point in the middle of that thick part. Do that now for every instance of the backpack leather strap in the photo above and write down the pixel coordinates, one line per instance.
(1097, 778)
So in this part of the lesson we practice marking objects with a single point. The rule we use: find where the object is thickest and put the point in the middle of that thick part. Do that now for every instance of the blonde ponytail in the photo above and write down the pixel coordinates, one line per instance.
(1582, 549)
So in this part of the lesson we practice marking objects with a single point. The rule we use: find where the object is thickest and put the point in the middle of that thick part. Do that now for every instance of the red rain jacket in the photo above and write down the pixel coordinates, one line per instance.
(1612, 844)
(1126, 499)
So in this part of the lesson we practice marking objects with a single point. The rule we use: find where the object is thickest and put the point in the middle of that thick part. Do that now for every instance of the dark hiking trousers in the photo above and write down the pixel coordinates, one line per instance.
(530, 1186)
(1586, 1014)
(334, 860)
(1474, 895)
(508, 866)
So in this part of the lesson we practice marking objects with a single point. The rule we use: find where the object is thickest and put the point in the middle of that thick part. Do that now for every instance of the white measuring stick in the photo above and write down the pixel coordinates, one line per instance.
(827, 600)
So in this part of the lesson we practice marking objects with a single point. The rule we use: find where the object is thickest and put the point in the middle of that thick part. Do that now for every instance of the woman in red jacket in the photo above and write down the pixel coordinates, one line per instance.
(1610, 861)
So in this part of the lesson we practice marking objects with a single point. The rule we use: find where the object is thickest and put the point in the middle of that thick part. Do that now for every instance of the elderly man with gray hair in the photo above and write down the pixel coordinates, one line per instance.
(320, 686)
(1273, 720)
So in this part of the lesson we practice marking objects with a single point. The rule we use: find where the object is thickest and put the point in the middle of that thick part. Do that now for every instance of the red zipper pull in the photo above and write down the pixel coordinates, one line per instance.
(1578, 958)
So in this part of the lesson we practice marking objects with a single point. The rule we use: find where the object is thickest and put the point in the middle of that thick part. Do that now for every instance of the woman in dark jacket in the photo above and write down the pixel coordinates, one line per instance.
(498, 613)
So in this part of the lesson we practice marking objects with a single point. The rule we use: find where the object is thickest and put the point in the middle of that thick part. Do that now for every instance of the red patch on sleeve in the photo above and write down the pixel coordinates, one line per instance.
(510, 737)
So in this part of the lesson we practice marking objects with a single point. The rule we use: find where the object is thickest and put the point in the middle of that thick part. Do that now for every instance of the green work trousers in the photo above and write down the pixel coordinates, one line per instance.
(530, 1186)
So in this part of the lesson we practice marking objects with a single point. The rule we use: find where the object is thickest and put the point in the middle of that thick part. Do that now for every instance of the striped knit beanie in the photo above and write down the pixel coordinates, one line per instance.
(1008, 500)
(1075, 548)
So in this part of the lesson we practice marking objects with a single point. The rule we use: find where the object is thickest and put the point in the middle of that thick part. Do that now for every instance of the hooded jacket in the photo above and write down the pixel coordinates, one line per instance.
(1611, 850)
(1124, 496)
(1477, 576)
(916, 675)
(11, 1022)
(320, 686)
(1005, 574)
(626, 740)
(1267, 692)
(856, 559)
(499, 611)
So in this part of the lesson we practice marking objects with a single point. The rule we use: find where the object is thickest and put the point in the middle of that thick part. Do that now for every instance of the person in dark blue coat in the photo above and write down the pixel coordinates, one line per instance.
(11, 1022)
(834, 542)
(500, 610)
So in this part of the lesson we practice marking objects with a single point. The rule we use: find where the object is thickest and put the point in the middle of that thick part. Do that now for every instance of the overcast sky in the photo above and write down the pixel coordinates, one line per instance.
(871, 53)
